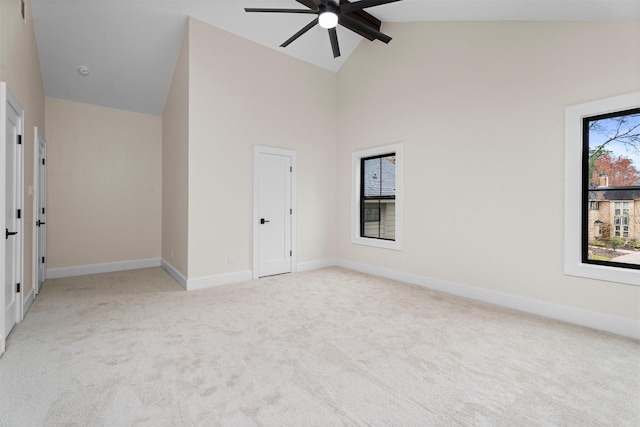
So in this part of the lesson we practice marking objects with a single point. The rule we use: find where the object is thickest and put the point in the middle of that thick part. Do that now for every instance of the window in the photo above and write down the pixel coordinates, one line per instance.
(598, 228)
(611, 156)
(371, 212)
(621, 219)
(602, 189)
(377, 196)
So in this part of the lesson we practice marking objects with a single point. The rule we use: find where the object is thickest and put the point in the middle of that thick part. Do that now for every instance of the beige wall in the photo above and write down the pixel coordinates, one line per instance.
(478, 106)
(175, 165)
(480, 110)
(20, 69)
(242, 94)
(104, 184)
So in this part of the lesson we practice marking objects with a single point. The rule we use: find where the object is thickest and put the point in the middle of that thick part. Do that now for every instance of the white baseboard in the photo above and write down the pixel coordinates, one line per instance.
(316, 265)
(27, 301)
(81, 270)
(229, 278)
(173, 272)
(218, 280)
(591, 319)
(243, 276)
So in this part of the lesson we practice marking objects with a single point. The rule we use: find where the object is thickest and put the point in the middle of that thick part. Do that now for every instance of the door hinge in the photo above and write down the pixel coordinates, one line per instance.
(290, 168)
(42, 161)
(290, 211)
(290, 253)
(19, 139)
(19, 213)
(43, 260)
(18, 287)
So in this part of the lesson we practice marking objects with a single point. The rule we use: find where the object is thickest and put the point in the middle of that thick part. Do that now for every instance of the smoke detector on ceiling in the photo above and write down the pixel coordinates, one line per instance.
(84, 71)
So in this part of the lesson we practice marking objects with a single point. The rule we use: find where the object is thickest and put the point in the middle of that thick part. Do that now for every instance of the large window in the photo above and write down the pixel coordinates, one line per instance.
(602, 189)
(376, 216)
(611, 189)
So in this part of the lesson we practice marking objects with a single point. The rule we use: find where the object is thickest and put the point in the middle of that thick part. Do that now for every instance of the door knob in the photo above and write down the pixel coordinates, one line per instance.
(39, 223)
(262, 220)
(9, 233)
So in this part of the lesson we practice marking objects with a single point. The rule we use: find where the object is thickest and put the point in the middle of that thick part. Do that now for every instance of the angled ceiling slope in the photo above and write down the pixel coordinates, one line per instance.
(131, 46)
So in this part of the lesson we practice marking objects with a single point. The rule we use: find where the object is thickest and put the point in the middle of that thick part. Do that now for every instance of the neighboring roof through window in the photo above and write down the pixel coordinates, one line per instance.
(380, 176)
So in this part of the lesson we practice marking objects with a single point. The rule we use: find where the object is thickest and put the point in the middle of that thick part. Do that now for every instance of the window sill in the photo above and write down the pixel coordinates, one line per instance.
(377, 243)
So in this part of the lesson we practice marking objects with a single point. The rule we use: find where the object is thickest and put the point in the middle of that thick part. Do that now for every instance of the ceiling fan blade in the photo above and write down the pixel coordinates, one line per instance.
(311, 4)
(363, 4)
(333, 36)
(365, 29)
(255, 9)
(307, 27)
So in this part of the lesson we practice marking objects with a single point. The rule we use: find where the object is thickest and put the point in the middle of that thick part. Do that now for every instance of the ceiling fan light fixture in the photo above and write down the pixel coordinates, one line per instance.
(328, 19)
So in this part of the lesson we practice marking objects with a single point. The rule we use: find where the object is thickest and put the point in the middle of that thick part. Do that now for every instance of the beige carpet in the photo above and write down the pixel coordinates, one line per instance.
(328, 347)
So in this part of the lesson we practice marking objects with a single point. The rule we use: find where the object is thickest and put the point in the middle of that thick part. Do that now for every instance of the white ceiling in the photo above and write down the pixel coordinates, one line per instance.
(131, 46)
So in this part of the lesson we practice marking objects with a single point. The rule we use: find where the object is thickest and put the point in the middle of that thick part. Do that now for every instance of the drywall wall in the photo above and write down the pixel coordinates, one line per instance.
(104, 185)
(242, 94)
(20, 69)
(175, 165)
(479, 108)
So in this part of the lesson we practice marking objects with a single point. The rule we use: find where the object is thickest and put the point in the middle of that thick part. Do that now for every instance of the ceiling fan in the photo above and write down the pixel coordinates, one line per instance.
(333, 12)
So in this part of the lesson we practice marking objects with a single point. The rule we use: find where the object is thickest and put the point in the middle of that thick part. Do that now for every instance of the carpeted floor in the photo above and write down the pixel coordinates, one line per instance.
(327, 347)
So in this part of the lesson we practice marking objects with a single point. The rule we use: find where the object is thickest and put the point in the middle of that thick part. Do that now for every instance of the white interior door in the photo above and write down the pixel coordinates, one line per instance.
(12, 212)
(273, 213)
(40, 198)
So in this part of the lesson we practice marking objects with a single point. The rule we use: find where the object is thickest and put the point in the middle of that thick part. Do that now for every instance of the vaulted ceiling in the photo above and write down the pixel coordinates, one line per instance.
(130, 46)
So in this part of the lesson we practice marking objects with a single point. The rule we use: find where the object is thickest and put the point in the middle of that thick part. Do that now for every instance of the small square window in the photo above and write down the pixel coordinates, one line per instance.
(371, 212)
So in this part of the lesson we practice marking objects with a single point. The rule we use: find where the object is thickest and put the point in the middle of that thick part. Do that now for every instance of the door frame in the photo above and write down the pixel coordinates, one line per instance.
(257, 150)
(38, 139)
(7, 99)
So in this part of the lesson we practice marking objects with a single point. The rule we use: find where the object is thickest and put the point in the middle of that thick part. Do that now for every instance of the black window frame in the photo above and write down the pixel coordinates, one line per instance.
(584, 225)
(364, 199)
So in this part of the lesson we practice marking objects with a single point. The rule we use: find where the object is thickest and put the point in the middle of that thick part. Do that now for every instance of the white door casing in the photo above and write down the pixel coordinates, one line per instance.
(39, 203)
(11, 224)
(274, 211)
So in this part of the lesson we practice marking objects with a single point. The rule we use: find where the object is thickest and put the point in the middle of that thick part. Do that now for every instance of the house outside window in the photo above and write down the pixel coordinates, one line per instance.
(377, 201)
